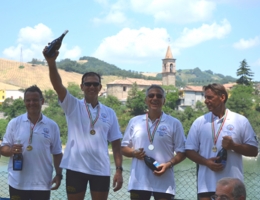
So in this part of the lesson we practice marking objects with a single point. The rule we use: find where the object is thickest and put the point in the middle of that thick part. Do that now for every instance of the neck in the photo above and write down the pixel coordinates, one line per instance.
(154, 115)
(93, 102)
(34, 118)
(220, 113)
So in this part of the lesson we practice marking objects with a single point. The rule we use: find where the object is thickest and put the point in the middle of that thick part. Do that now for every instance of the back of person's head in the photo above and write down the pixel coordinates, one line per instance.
(218, 89)
(154, 86)
(33, 88)
(238, 186)
(90, 74)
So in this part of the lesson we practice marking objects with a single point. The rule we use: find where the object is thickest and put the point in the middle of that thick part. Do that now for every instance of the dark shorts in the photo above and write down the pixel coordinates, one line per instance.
(206, 194)
(77, 182)
(29, 194)
(146, 195)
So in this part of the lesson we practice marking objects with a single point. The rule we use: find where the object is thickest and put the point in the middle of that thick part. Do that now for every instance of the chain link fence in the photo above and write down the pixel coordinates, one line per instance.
(186, 186)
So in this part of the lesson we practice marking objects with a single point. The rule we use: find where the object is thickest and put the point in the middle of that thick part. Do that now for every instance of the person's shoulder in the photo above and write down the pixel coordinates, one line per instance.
(48, 120)
(236, 115)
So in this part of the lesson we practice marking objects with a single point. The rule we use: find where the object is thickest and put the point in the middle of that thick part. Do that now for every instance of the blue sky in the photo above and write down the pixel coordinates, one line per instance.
(134, 34)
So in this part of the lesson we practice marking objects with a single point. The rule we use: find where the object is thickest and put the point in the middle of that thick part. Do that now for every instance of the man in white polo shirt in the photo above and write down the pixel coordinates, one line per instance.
(159, 136)
(217, 129)
(38, 139)
(90, 126)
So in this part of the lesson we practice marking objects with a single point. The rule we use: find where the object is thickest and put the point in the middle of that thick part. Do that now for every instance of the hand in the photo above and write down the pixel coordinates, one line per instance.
(50, 59)
(162, 169)
(17, 148)
(227, 143)
(216, 167)
(56, 180)
(117, 181)
(139, 153)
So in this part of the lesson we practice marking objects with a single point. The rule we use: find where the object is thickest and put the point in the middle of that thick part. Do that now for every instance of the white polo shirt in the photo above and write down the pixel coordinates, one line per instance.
(37, 163)
(200, 140)
(168, 138)
(84, 152)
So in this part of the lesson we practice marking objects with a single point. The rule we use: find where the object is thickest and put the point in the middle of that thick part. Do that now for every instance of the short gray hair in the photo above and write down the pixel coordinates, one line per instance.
(153, 86)
(238, 186)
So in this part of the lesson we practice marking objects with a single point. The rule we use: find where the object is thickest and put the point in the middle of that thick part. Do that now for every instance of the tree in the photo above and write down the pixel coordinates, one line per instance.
(245, 74)
(241, 99)
(135, 101)
(13, 108)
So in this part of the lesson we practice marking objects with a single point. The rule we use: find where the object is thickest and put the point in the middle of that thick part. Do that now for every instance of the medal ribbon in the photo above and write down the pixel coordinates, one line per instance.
(151, 135)
(90, 116)
(31, 129)
(214, 135)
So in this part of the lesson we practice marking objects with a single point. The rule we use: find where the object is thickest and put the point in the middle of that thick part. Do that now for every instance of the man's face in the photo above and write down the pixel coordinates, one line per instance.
(213, 101)
(155, 100)
(91, 86)
(33, 102)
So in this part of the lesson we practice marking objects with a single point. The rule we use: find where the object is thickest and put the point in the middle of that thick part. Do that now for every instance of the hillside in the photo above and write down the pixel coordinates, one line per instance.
(12, 76)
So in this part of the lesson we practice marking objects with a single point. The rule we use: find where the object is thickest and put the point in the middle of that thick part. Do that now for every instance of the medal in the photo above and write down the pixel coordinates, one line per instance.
(92, 132)
(92, 122)
(214, 134)
(152, 134)
(29, 148)
(151, 147)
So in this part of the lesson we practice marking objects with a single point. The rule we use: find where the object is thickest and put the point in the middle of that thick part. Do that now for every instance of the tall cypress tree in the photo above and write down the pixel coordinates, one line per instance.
(245, 74)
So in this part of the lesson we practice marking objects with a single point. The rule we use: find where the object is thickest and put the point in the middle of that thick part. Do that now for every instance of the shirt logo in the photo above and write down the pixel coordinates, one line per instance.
(230, 127)
(104, 115)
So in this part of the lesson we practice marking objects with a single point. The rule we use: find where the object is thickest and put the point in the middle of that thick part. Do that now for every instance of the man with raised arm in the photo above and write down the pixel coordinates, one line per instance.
(90, 126)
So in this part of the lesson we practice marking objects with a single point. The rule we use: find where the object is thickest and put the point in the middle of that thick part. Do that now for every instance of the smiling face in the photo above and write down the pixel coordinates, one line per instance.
(155, 100)
(91, 87)
(33, 103)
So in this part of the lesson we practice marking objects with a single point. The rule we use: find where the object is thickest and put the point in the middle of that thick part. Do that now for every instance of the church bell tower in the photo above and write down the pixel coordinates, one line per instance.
(168, 68)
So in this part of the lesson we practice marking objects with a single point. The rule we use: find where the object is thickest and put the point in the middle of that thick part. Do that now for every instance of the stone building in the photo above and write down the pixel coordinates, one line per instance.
(168, 68)
(120, 88)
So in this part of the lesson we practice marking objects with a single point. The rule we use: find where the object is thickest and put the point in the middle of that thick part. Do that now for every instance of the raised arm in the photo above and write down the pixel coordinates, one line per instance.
(55, 76)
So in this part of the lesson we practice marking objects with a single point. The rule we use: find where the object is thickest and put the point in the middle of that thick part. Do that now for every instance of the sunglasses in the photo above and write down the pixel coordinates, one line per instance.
(158, 96)
(88, 84)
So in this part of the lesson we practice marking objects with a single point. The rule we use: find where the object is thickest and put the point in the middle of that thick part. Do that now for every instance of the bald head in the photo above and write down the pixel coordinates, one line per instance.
(232, 187)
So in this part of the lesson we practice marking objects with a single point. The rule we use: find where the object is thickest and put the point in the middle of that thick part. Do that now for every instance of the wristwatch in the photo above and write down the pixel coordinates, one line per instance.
(60, 176)
(121, 168)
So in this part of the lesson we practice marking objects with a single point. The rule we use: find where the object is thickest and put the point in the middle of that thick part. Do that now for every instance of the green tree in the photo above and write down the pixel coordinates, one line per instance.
(245, 74)
(135, 101)
(13, 108)
(241, 99)
(3, 125)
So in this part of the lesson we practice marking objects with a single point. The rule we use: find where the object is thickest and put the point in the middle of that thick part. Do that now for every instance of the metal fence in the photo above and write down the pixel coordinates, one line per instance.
(186, 186)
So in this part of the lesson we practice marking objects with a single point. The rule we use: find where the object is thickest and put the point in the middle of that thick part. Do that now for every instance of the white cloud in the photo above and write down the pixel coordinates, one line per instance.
(73, 53)
(140, 45)
(134, 46)
(113, 14)
(246, 44)
(192, 37)
(30, 43)
(177, 11)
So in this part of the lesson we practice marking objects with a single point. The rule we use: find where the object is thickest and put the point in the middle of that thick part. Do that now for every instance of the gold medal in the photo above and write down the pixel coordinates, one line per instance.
(29, 148)
(214, 149)
(92, 132)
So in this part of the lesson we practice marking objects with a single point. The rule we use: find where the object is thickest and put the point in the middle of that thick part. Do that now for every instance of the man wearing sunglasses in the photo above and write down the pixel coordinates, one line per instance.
(157, 135)
(230, 189)
(90, 125)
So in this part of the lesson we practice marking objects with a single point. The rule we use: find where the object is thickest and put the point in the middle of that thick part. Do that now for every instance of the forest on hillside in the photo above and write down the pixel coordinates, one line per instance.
(183, 77)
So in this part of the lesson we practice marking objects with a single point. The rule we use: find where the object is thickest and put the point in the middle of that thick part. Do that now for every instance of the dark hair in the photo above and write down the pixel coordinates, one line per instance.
(90, 74)
(33, 88)
(218, 89)
(154, 87)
